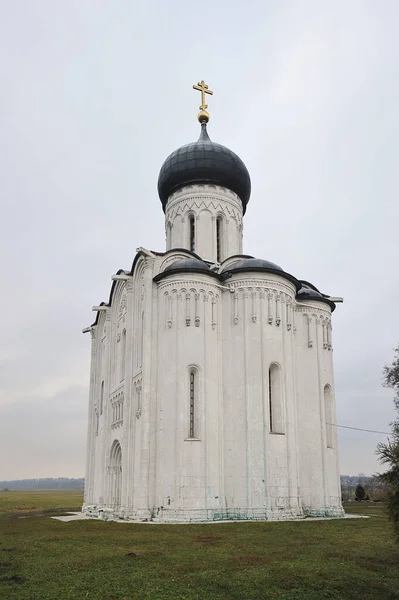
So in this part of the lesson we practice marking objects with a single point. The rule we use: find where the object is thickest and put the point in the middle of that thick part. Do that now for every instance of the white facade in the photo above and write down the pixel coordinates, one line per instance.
(211, 389)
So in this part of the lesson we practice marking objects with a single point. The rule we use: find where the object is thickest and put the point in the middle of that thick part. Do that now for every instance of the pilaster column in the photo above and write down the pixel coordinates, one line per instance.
(128, 409)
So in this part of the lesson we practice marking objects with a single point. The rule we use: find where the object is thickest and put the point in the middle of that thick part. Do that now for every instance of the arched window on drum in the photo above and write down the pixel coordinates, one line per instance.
(191, 226)
(219, 239)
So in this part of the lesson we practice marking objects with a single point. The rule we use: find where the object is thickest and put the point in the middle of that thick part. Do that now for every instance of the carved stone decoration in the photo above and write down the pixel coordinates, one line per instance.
(309, 326)
(181, 206)
(288, 308)
(235, 318)
(197, 318)
(122, 306)
(329, 329)
(169, 309)
(118, 337)
(188, 318)
(254, 307)
(213, 308)
(117, 402)
(270, 308)
(278, 309)
(137, 385)
(324, 331)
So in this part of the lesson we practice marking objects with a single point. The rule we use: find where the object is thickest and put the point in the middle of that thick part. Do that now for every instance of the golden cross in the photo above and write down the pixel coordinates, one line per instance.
(203, 88)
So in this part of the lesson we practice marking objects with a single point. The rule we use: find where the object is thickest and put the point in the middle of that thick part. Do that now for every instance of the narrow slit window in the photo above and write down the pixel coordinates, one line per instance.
(276, 405)
(270, 402)
(192, 233)
(192, 404)
(169, 236)
(219, 240)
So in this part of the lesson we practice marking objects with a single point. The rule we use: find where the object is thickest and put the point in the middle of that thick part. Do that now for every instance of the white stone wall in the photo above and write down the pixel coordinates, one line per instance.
(141, 460)
(188, 338)
(319, 469)
(261, 473)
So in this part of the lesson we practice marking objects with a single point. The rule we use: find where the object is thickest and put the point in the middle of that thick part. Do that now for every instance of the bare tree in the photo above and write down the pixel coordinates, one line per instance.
(388, 452)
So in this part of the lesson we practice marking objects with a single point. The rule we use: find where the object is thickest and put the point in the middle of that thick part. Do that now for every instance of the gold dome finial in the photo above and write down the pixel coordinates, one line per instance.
(203, 115)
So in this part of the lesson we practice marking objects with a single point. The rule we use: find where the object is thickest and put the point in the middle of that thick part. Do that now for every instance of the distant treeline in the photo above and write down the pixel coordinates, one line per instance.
(374, 488)
(48, 483)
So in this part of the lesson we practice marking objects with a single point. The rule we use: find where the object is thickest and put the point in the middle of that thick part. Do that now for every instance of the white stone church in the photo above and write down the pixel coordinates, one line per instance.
(211, 384)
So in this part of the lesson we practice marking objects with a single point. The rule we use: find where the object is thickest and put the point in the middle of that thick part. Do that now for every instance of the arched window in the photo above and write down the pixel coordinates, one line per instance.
(123, 355)
(329, 415)
(276, 404)
(102, 398)
(191, 222)
(219, 239)
(193, 393)
(169, 236)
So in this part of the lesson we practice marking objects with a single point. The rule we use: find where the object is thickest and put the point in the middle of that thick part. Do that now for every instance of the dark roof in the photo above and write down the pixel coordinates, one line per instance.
(311, 294)
(258, 264)
(186, 265)
(253, 264)
(193, 264)
(204, 161)
(245, 263)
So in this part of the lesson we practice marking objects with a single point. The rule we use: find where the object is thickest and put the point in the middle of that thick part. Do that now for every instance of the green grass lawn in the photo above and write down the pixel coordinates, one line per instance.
(43, 559)
(40, 501)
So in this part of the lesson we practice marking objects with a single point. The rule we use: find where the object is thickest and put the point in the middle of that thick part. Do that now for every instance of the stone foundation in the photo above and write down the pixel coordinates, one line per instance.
(167, 515)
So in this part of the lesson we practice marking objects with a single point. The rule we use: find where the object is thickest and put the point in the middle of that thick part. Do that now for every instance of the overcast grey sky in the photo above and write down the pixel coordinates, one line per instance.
(96, 94)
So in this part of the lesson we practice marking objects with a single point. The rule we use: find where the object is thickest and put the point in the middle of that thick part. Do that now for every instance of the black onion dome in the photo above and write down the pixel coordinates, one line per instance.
(204, 161)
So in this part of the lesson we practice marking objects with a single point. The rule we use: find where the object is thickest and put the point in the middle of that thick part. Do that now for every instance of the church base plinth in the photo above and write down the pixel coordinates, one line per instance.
(324, 511)
(203, 515)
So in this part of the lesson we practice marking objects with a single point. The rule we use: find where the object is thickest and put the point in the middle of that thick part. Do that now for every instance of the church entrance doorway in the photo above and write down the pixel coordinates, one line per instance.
(115, 475)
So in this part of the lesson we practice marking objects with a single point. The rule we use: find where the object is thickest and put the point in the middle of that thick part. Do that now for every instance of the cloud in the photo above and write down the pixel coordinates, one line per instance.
(44, 436)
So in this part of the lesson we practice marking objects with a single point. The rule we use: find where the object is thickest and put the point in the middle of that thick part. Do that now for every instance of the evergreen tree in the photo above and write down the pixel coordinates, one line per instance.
(360, 492)
(388, 453)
